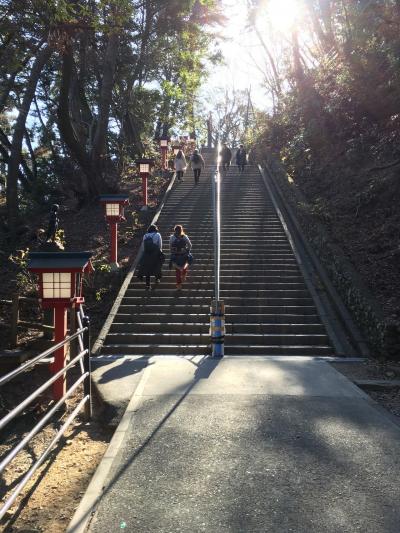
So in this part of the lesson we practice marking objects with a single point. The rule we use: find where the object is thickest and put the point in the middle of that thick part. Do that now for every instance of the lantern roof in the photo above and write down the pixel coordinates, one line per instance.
(145, 160)
(60, 261)
(116, 198)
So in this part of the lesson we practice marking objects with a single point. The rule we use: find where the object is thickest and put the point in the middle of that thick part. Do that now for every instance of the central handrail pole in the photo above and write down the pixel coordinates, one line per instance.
(217, 311)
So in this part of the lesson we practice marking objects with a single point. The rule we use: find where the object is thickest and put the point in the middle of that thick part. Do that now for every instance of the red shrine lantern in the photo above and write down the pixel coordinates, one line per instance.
(114, 205)
(144, 167)
(164, 150)
(60, 287)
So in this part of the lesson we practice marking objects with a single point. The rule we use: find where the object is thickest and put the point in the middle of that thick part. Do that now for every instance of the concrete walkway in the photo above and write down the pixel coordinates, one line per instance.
(247, 445)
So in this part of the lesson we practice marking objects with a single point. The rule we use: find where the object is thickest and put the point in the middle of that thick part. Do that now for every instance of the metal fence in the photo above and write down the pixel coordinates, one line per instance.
(82, 336)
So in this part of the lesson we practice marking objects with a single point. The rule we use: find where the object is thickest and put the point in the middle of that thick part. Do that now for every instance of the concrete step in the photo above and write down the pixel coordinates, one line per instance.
(310, 351)
(204, 317)
(268, 308)
(157, 349)
(184, 337)
(189, 299)
(202, 327)
(168, 280)
(204, 307)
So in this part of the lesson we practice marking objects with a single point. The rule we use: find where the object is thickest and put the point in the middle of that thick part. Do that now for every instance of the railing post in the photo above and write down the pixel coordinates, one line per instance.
(73, 345)
(217, 328)
(14, 321)
(87, 384)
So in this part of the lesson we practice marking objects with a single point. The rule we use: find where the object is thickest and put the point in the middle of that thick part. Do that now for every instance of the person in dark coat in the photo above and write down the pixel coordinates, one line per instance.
(197, 163)
(226, 156)
(152, 257)
(241, 158)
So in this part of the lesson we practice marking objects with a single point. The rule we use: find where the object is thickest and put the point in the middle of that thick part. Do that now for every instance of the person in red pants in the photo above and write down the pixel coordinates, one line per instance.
(180, 247)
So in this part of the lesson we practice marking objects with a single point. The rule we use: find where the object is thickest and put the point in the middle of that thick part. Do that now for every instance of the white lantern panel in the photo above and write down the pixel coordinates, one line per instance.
(56, 285)
(144, 168)
(163, 143)
(112, 210)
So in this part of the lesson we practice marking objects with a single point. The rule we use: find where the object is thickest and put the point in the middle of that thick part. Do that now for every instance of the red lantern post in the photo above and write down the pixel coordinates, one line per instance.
(114, 213)
(60, 287)
(164, 151)
(144, 166)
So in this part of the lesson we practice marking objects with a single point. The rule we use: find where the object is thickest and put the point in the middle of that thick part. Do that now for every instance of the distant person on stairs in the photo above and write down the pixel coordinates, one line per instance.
(152, 257)
(241, 158)
(197, 163)
(226, 157)
(180, 247)
(180, 165)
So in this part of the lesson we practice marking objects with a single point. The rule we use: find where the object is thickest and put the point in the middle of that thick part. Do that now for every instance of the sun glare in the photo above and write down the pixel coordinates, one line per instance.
(283, 14)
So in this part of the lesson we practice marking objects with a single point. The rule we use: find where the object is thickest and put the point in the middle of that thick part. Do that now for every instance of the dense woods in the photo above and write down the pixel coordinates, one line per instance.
(85, 87)
(333, 80)
(333, 77)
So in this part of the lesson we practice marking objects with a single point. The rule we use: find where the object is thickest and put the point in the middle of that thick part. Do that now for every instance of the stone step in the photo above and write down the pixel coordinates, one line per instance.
(183, 337)
(202, 327)
(190, 349)
(231, 318)
(188, 299)
(154, 349)
(168, 282)
(204, 307)
(248, 350)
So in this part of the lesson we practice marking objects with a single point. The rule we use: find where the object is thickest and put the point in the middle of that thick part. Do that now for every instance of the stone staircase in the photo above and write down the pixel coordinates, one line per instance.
(268, 308)
(165, 321)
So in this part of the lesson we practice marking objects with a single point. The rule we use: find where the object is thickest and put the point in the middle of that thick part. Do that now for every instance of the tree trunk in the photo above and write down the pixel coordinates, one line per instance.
(19, 130)
(78, 151)
(99, 148)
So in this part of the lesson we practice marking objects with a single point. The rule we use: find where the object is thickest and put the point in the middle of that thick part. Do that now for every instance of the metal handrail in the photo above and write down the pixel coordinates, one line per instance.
(217, 310)
(43, 457)
(8, 377)
(83, 358)
(216, 206)
(13, 453)
(21, 406)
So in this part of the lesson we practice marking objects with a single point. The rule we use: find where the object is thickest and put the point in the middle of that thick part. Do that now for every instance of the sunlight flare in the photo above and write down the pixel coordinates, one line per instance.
(283, 14)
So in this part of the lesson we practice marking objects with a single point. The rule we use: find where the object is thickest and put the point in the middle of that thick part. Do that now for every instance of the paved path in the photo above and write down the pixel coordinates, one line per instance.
(248, 445)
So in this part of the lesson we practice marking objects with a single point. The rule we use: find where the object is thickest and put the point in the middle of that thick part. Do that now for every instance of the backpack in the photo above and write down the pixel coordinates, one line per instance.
(149, 246)
(179, 245)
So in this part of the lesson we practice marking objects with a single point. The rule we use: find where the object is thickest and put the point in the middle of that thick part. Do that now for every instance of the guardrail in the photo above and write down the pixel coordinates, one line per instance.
(82, 336)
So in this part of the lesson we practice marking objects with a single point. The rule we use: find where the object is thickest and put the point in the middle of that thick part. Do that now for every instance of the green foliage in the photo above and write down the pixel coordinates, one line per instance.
(100, 294)
(132, 65)
(25, 281)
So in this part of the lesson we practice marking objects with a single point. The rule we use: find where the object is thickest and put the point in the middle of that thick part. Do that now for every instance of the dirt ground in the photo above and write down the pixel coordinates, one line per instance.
(376, 370)
(49, 500)
(84, 229)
